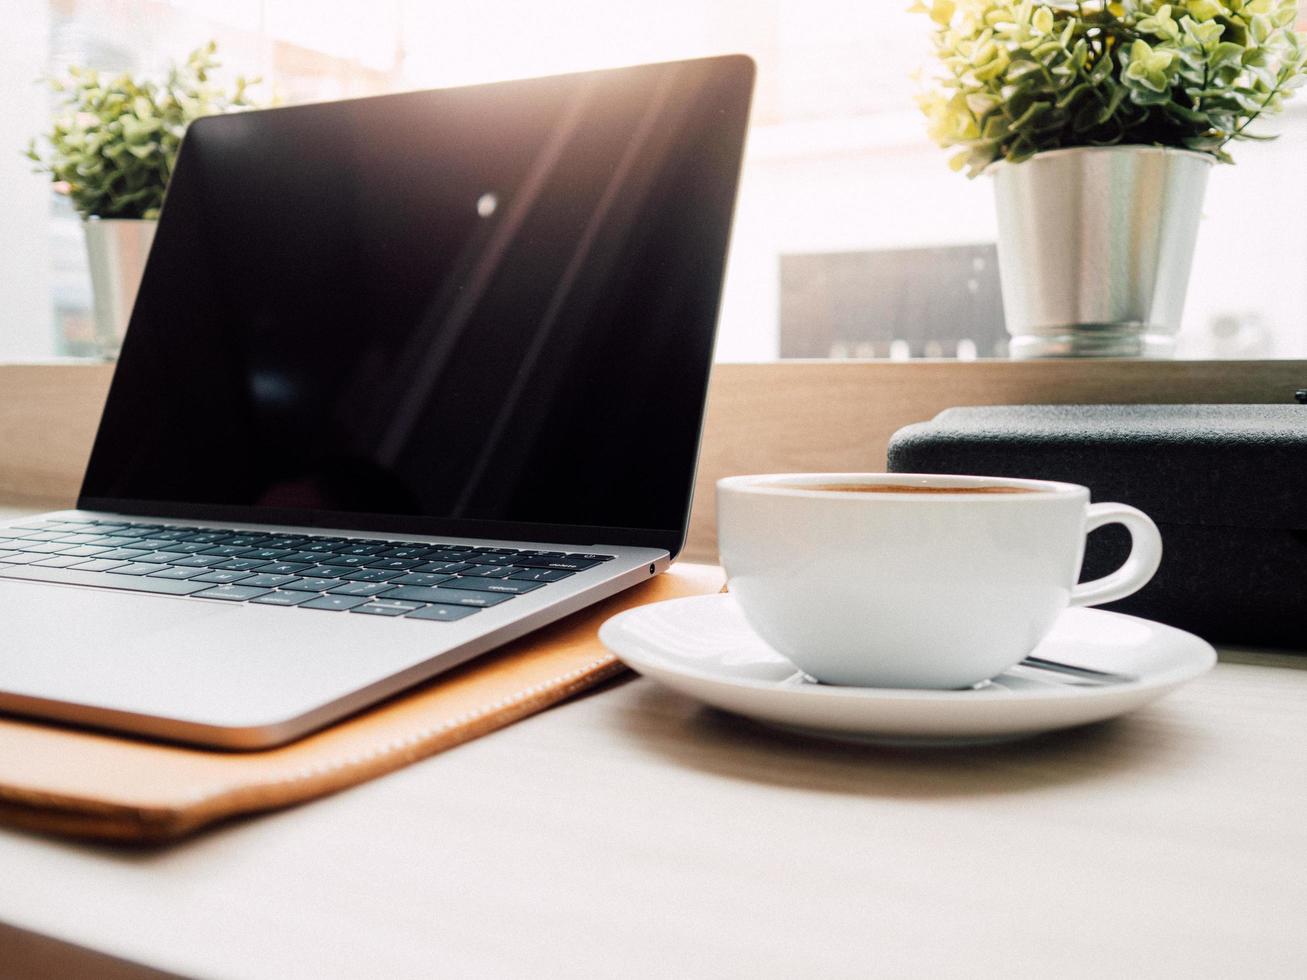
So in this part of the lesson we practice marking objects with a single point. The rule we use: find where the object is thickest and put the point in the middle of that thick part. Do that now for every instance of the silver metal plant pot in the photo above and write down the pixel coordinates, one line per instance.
(1095, 246)
(117, 249)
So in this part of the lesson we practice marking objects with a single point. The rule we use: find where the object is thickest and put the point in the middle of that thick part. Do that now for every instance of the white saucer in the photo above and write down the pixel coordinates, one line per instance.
(703, 647)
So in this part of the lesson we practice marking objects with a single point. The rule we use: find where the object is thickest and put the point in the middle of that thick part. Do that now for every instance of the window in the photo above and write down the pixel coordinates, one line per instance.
(852, 237)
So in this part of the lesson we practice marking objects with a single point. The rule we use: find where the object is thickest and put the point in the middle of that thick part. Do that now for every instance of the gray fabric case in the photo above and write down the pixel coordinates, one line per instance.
(1226, 484)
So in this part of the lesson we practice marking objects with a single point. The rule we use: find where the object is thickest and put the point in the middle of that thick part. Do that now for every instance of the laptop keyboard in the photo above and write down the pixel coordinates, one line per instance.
(374, 577)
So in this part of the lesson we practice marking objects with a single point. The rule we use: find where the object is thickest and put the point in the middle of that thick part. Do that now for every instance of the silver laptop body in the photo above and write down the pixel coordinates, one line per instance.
(407, 378)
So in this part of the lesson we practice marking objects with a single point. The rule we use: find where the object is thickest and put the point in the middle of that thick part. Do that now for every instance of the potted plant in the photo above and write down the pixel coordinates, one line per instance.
(111, 149)
(1099, 121)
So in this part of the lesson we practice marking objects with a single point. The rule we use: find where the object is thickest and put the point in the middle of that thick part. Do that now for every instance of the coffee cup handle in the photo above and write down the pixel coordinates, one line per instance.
(1145, 555)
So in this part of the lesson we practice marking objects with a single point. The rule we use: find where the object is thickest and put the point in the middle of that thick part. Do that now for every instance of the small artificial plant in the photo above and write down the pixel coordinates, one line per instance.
(114, 141)
(1019, 77)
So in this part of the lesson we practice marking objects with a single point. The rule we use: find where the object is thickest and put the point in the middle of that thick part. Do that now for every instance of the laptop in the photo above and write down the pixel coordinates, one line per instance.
(407, 377)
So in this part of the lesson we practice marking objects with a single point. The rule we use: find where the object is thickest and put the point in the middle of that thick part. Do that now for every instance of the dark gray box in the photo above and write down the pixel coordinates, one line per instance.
(1226, 484)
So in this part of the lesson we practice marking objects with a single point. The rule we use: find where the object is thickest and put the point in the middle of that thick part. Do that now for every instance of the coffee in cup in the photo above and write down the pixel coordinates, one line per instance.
(915, 581)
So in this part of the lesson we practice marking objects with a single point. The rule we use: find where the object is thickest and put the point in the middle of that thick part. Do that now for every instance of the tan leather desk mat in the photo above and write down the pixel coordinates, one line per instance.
(91, 785)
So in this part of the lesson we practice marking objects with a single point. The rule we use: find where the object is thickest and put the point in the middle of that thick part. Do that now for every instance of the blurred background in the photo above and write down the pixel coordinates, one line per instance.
(852, 237)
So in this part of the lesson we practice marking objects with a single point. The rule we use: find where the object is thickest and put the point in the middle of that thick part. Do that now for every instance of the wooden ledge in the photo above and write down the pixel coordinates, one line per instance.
(48, 417)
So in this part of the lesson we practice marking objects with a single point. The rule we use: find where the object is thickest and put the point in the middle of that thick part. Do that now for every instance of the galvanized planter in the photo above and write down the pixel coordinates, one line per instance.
(1095, 246)
(117, 249)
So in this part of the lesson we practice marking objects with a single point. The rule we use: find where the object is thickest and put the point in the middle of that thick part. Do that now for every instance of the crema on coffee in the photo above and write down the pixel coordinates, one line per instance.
(897, 488)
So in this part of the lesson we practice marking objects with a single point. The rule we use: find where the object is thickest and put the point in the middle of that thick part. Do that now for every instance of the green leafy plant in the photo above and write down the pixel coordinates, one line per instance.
(1018, 77)
(113, 144)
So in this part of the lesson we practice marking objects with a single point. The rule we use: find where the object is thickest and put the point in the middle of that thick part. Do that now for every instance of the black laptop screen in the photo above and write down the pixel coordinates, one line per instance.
(491, 304)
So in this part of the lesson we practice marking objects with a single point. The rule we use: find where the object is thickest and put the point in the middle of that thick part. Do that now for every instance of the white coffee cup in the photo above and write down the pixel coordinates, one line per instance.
(923, 581)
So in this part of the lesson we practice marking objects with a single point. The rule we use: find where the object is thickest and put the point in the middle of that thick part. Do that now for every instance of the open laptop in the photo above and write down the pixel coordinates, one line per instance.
(406, 378)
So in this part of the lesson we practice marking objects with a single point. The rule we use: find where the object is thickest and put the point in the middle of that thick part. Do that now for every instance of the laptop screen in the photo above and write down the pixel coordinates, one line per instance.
(475, 311)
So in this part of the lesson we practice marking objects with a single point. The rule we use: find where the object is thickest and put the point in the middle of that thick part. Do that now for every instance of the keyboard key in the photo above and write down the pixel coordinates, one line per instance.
(302, 557)
(444, 567)
(313, 584)
(22, 558)
(571, 563)
(336, 603)
(406, 552)
(265, 581)
(411, 593)
(208, 537)
(495, 551)
(226, 550)
(45, 547)
(59, 561)
(133, 568)
(268, 554)
(422, 579)
(540, 575)
(346, 561)
(386, 608)
(223, 578)
(232, 593)
(185, 547)
(85, 551)
(242, 564)
(489, 571)
(362, 549)
(161, 557)
(170, 571)
(283, 598)
(287, 541)
(110, 580)
(155, 544)
(505, 586)
(398, 564)
(443, 614)
(285, 567)
(371, 575)
(321, 571)
(414, 593)
(360, 588)
(454, 597)
(110, 541)
(200, 561)
(123, 554)
(101, 565)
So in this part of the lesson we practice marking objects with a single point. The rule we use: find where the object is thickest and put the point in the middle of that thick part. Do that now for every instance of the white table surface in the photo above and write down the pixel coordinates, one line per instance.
(634, 833)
